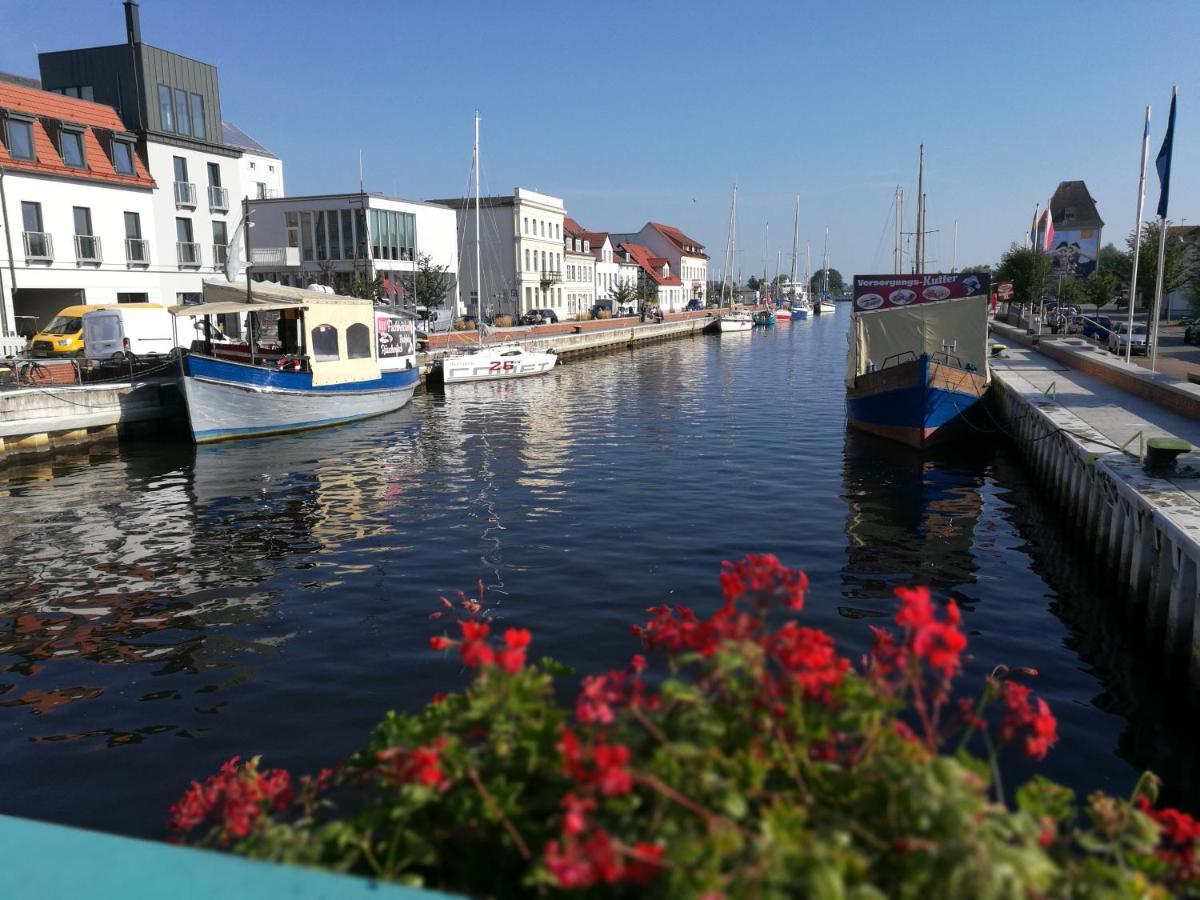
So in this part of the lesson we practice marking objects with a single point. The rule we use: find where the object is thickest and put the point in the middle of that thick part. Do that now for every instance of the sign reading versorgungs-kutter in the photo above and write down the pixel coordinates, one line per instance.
(890, 291)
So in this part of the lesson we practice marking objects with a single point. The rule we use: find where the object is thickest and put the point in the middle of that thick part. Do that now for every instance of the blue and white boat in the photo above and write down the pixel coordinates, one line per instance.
(918, 368)
(309, 360)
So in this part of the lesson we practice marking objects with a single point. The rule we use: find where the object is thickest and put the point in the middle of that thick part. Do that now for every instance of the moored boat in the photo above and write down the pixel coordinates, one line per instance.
(311, 360)
(735, 322)
(918, 367)
(502, 361)
(764, 318)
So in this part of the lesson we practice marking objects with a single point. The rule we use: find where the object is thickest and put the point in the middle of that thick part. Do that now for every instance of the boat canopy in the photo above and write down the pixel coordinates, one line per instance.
(884, 337)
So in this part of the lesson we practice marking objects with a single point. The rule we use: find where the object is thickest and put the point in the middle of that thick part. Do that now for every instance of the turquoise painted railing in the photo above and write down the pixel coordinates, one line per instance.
(48, 861)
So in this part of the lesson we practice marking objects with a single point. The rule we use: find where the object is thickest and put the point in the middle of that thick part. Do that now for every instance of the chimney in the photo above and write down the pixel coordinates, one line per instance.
(133, 24)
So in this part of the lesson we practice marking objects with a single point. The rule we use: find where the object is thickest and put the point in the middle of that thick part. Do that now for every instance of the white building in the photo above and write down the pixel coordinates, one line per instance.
(521, 253)
(337, 238)
(76, 210)
(173, 104)
(260, 172)
(686, 256)
(612, 270)
(579, 269)
(655, 276)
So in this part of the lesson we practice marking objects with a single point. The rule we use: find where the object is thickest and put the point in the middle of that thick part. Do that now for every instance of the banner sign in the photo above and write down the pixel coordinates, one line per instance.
(396, 336)
(873, 292)
(1004, 290)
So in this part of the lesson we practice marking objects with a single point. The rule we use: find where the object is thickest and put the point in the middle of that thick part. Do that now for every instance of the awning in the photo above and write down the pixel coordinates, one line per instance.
(221, 296)
(224, 307)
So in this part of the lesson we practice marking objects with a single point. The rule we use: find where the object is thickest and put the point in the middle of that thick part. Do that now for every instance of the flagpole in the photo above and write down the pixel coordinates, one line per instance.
(1137, 238)
(1164, 176)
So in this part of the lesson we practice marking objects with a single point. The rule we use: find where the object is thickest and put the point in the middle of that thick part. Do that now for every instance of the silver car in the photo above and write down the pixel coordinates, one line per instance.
(1118, 337)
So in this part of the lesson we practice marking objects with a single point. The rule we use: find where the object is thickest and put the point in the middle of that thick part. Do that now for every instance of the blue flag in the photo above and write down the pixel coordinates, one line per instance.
(1162, 162)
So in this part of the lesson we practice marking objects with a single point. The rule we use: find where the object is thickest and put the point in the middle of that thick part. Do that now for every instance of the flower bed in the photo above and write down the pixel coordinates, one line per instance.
(737, 755)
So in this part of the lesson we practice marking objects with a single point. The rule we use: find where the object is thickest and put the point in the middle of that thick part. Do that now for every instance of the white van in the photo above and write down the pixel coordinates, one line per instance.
(140, 329)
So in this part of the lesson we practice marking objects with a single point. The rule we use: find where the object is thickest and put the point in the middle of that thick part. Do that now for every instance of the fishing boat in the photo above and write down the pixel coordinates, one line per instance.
(494, 362)
(918, 368)
(311, 359)
(490, 363)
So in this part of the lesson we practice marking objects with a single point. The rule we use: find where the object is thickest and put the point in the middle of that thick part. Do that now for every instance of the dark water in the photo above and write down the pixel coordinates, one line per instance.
(165, 608)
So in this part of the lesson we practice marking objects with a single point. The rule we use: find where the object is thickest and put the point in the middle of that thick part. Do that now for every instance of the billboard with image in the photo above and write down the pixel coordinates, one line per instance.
(1074, 251)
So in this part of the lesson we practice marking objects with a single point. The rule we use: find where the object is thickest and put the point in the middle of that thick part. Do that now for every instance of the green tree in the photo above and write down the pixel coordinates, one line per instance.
(1175, 267)
(753, 283)
(366, 288)
(429, 284)
(1028, 270)
(1102, 286)
(836, 284)
(981, 269)
(624, 295)
(1113, 260)
(1071, 291)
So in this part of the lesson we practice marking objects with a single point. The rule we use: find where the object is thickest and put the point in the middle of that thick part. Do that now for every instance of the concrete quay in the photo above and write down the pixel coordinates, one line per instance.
(1082, 438)
(36, 420)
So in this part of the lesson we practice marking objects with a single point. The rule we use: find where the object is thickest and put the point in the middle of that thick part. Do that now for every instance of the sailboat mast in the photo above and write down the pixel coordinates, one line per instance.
(808, 267)
(825, 266)
(920, 254)
(954, 258)
(897, 261)
(478, 279)
(795, 246)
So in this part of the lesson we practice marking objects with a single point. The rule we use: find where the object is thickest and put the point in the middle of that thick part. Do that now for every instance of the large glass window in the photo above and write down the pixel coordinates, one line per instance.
(122, 152)
(71, 143)
(197, 115)
(325, 343)
(358, 341)
(306, 239)
(133, 226)
(335, 235)
(293, 229)
(214, 174)
(322, 252)
(183, 230)
(166, 108)
(180, 168)
(182, 119)
(347, 235)
(360, 233)
(83, 220)
(31, 215)
(375, 251)
(220, 235)
(20, 139)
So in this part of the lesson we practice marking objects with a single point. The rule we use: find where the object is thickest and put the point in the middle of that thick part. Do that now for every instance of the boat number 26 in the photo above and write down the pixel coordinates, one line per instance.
(506, 366)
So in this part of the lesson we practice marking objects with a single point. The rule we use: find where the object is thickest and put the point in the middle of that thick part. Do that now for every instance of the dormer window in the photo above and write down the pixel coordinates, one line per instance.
(70, 145)
(587, 246)
(122, 156)
(18, 137)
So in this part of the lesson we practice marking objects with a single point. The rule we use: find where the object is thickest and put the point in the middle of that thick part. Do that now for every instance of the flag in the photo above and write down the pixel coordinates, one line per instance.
(1162, 162)
(1033, 226)
(1049, 229)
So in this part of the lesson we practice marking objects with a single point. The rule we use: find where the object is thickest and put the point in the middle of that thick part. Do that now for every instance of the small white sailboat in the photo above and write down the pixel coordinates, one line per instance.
(491, 363)
(735, 321)
(823, 302)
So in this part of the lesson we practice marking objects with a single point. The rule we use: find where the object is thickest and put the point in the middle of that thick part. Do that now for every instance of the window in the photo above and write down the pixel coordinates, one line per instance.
(528, 297)
(71, 145)
(20, 139)
(358, 341)
(292, 220)
(543, 229)
(133, 226)
(558, 231)
(251, 166)
(83, 221)
(31, 216)
(214, 175)
(260, 190)
(543, 260)
(220, 234)
(132, 298)
(306, 238)
(525, 229)
(347, 235)
(122, 156)
(375, 245)
(197, 115)
(322, 250)
(166, 108)
(183, 230)
(526, 259)
(325, 343)
(335, 235)
(183, 123)
(270, 169)
(180, 168)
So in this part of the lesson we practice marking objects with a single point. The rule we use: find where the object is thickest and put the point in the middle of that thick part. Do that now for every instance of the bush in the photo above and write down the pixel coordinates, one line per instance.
(504, 321)
(753, 761)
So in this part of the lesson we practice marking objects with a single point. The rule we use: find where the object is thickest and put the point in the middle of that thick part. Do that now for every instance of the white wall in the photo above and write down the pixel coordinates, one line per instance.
(253, 170)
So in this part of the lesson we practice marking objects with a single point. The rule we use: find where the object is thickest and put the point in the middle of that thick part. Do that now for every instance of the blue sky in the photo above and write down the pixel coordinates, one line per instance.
(650, 111)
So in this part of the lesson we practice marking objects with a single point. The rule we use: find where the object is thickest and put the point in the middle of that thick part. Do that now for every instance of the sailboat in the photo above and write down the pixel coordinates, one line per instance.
(491, 362)
(823, 303)
(918, 367)
(733, 320)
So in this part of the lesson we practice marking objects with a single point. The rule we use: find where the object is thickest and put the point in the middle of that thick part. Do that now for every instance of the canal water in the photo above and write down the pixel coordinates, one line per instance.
(163, 608)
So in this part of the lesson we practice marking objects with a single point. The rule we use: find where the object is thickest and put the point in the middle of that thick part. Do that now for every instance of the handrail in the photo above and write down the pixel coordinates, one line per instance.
(899, 356)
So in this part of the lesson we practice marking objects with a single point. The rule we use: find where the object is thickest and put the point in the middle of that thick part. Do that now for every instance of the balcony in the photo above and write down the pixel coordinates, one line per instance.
(265, 193)
(551, 276)
(39, 246)
(185, 194)
(137, 252)
(87, 249)
(218, 198)
(188, 253)
(220, 255)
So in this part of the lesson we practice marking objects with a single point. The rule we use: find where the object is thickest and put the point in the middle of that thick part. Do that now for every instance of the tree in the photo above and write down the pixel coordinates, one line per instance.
(836, 284)
(753, 283)
(366, 288)
(1175, 267)
(1028, 271)
(1113, 260)
(624, 295)
(429, 284)
(1102, 286)
(982, 269)
(1071, 291)
(781, 278)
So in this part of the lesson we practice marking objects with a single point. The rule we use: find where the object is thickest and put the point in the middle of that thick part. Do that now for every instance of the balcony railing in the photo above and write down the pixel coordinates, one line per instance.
(185, 193)
(549, 276)
(218, 198)
(265, 193)
(188, 253)
(137, 252)
(38, 245)
(87, 248)
(220, 255)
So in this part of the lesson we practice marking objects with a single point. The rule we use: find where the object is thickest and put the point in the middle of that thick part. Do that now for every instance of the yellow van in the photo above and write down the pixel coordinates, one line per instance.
(64, 335)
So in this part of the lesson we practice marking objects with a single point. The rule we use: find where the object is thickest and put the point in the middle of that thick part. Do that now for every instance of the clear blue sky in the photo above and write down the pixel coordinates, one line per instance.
(649, 111)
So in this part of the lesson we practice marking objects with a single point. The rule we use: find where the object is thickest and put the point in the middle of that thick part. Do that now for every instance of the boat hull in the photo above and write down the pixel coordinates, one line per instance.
(231, 400)
(735, 323)
(921, 403)
(494, 365)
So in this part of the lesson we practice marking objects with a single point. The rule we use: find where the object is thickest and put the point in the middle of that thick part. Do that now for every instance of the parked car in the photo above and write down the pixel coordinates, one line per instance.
(1075, 325)
(1118, 337)
(695, 305)
(139, 329)
(540, 317)
(1097, 328)
(1191, 334)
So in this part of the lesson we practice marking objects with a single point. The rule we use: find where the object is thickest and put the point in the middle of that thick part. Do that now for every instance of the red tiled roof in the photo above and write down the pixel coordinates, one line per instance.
(681, 241)
(47, 105)
(571, 227)
(651, 265)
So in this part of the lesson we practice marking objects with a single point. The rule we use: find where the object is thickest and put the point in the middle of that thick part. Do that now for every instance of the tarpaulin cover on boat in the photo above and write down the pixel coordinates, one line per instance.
(886, 336)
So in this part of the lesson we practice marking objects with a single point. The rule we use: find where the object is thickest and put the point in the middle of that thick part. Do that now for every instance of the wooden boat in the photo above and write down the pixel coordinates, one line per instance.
(918, 355)
(312, 360)
(764, 318)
